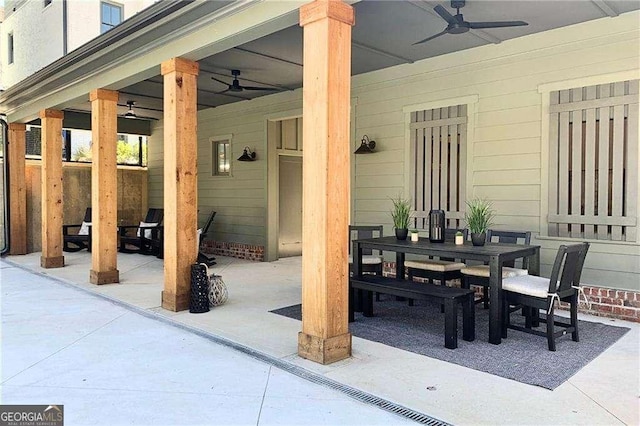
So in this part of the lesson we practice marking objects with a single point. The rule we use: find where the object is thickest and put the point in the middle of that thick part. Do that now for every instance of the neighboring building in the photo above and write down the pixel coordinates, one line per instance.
(35, 33)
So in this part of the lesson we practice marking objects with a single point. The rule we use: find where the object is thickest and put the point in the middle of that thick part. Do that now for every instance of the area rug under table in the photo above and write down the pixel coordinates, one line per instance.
(522, 357)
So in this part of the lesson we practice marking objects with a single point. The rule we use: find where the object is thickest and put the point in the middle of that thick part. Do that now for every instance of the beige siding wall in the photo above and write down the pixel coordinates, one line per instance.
(507, 159)
(239, 199)
(506, 156)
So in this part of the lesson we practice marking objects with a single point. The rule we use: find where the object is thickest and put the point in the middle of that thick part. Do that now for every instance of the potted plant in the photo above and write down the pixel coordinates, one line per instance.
(415, 236)
(401, 213)
(478, 216)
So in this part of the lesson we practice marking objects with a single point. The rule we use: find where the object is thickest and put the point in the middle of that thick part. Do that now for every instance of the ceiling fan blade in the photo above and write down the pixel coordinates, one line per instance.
(268, 89)
(221, 93)
(444, 14)
(430, 38)
(500, 24)
(220, 81)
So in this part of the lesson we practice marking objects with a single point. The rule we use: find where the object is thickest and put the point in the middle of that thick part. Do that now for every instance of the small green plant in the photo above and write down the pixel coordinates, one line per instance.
(479, 215)
(458, 234)
(414, 231)
(401, 212)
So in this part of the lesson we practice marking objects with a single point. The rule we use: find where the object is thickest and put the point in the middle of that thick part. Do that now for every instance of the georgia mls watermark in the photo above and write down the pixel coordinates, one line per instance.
(31, 415)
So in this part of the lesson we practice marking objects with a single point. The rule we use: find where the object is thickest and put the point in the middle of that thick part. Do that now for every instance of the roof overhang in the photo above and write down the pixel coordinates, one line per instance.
(134, 50)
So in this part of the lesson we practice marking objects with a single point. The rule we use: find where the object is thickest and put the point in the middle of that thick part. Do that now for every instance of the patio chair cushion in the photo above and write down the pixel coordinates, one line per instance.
(483, 271)
(434, 265)
(147, 232)
(84, 228)
(531, 285)
(368, 260)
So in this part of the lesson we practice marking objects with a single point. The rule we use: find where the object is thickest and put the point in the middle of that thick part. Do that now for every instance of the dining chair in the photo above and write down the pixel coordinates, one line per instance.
(371, 262)
(535, 293)
(478, 275)
(443, 269)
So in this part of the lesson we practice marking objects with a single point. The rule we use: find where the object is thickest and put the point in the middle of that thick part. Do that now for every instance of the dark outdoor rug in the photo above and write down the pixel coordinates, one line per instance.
(522, 357)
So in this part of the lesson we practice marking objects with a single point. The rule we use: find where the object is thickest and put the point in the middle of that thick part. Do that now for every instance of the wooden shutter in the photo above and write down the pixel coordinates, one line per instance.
(593, 162)
(438, 163)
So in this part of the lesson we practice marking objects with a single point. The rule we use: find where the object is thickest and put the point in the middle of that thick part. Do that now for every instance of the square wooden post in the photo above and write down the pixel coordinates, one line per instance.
(325, 336)
(52, 207)
(180, 180)
(18, 188)
(104, 187)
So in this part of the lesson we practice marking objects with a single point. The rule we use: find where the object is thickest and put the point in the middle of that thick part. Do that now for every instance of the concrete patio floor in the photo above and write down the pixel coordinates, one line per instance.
(605, 392)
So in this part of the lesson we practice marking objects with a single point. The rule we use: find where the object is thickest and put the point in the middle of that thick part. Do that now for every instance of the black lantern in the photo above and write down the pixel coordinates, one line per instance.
(436, 226)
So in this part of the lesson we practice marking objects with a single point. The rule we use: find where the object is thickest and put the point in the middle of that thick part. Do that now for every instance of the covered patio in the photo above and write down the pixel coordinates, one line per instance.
(603, 392)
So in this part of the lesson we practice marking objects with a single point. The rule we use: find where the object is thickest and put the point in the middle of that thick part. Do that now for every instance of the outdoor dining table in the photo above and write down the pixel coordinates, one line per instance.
(494, 254)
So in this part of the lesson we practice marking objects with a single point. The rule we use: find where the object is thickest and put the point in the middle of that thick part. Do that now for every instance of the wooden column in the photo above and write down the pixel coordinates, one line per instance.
(180, 180)
(325, 336)
(52, 207)
(17, 189)
(104, 187)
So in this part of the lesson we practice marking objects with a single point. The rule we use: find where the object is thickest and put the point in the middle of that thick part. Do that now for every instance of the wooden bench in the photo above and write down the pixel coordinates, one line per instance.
(449, 296)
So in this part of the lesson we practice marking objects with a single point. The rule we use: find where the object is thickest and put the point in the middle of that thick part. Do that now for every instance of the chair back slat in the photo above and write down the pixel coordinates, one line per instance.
(154, 216)
(510, 237)
(359, 232)
(209, 222)
(567, 268)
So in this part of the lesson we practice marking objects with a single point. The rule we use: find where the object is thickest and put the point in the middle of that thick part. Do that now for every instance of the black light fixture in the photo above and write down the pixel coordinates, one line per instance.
(366, 147)
(130, 113)
(247, 155)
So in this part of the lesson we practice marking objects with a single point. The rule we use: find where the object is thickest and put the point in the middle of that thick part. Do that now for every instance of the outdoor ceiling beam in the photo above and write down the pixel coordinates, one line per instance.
(381, 52)
(51, 190)
(325, 336)
(17, 188)
(104, 187)
(180, 180)
(606, 8)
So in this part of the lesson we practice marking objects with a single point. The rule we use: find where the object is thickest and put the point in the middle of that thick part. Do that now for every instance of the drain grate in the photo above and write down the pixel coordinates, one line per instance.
(319, 379)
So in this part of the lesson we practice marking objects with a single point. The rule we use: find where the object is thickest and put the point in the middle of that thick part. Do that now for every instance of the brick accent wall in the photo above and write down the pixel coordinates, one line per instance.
(237, 250)
(605, 302)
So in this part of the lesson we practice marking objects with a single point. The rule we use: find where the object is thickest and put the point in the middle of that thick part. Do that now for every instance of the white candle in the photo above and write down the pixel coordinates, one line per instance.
(459, 239)
(414, 236)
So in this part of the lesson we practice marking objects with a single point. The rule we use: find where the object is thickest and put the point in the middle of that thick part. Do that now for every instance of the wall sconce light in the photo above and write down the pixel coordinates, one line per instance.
(247, 155)
(366, 147)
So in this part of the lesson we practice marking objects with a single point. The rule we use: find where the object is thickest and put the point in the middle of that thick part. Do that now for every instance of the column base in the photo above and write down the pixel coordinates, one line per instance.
(52, 262)
(104, 277)
(175, 302)
(324, 351)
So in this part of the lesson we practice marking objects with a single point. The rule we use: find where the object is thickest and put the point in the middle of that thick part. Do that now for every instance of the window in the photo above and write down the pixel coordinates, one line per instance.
(221, 156)
(10, 48)
(76, 146)
(593, 162)
(110, 15)
(438, 153)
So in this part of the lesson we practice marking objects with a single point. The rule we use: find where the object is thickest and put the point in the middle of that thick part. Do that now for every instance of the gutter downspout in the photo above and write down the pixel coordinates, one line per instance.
(5, 190)
(65, 32)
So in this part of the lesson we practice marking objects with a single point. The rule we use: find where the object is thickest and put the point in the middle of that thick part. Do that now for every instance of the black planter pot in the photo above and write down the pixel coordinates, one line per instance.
(478, 239)
(401, 234)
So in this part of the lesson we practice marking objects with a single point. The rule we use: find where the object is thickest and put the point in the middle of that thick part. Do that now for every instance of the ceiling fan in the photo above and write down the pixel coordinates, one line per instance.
(235, 86)
(457, 24)
(132, 115)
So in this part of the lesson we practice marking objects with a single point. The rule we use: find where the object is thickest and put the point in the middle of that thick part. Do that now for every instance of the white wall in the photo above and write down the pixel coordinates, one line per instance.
(506, 161)
(38, 33)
